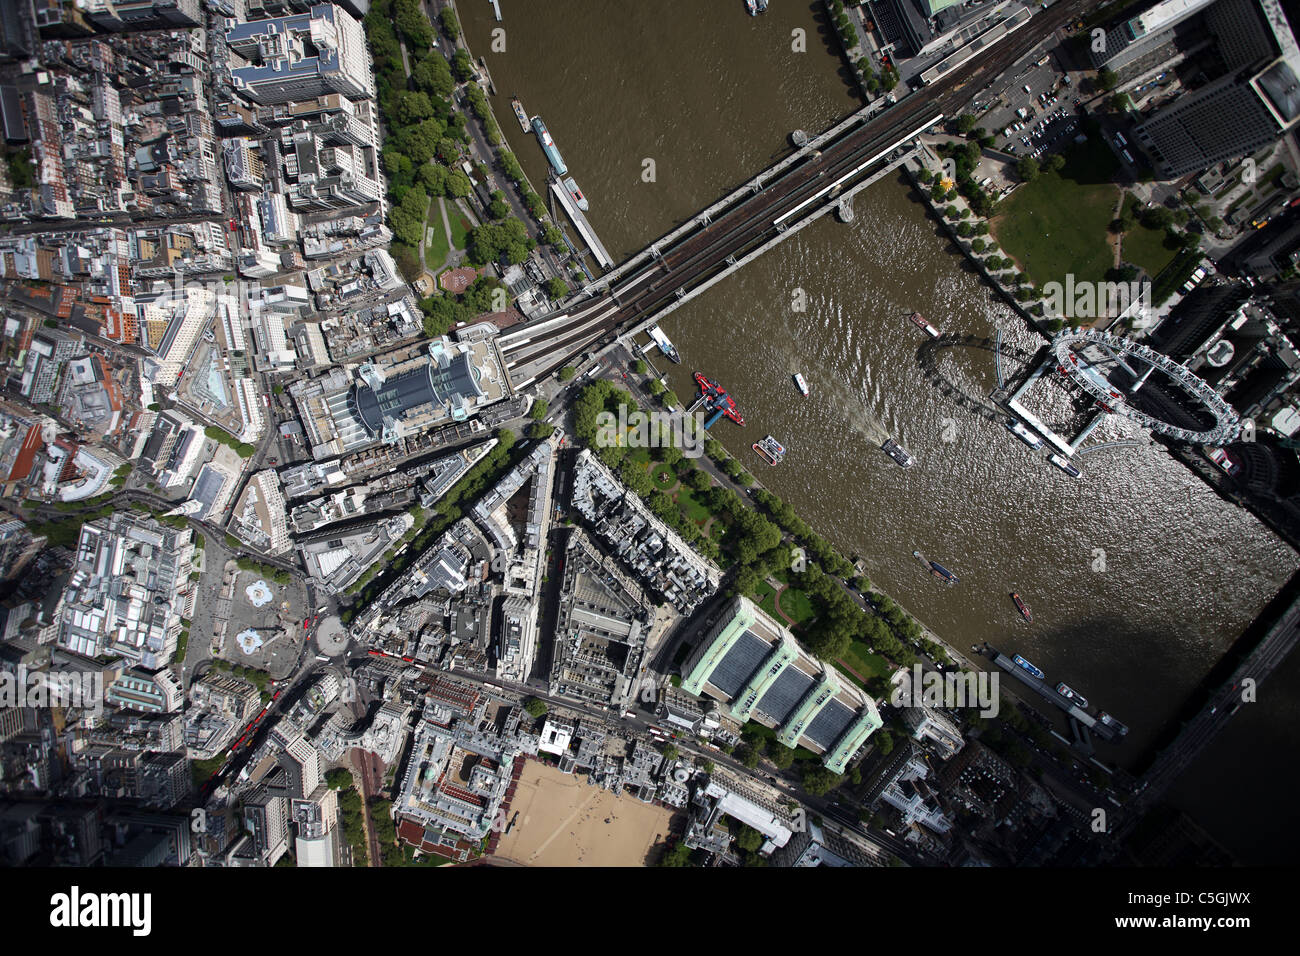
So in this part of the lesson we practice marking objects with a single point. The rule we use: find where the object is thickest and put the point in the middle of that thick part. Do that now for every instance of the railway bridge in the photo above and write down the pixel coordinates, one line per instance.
(775, 204)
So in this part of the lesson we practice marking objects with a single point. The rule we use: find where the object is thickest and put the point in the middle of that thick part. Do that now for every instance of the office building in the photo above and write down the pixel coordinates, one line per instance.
(1137, 36)
(128, 591)
(749, 661)
(1245, 109)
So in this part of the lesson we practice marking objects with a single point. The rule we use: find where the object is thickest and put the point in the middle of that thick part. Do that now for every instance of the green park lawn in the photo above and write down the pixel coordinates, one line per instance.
(690, 505)
(1146, 248)
(663, 475)
(864, 662)
(435, 252)
(1056, 225)
(798, 605)
(459, 228)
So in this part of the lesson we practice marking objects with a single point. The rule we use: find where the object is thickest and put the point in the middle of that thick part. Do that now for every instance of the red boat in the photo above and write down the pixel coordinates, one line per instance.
(716, 399)
(1022, 607)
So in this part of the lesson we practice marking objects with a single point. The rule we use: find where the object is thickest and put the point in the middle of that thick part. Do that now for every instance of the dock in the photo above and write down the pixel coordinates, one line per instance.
(1049, 692)
(657, 338)
(598, 250)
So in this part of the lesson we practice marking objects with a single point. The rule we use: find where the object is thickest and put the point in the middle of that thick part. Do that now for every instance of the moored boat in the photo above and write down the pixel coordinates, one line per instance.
(579, 199)
(1072, 696)
(770, 450)
(1025, 665)
(1064, 464)
(1112, 723)
(801, 383)
(1022, 607)
(1024, 434)
(665, 344)
(520, 115)
(549, 148)
(717, 401)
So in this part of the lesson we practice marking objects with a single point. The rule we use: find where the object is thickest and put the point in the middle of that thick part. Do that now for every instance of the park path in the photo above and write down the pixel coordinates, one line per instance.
(1117, 241)
(780, 589)
(776, 601)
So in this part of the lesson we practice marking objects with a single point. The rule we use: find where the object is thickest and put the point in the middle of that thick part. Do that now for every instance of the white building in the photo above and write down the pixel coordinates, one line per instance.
(259, 515)
(128, 591)
(302, 56)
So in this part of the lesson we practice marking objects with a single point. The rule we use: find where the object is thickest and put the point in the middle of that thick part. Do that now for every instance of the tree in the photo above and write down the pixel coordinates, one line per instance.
(491, 242)
(965, 123)
(339, 778)
(413, 24)
(462, 67)
(450, 25)
(782, 756)
(433, 76)
(457, 184)
(408, 216)
(413, 106)
(679, 855)
(819, 781)
(749, 839)
(433, 178)
(539, 409)
(1055, 163)
(538, 431)
(419, 142)
(567, 373)
(698, 480)
(448, 151)
(557, 288)
(486, 294)
(1106, 80)
(747, 581)
(1027, 169)
(536, 708)
(1158, 217)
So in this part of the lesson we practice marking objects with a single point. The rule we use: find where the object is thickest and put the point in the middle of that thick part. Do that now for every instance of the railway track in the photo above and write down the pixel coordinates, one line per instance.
(694, 259)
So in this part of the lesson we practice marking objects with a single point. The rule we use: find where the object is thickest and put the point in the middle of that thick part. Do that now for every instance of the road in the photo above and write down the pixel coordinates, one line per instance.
(639, 725)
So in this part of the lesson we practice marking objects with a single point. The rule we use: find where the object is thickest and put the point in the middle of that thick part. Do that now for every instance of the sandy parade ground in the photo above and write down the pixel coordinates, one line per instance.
(564, 821)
